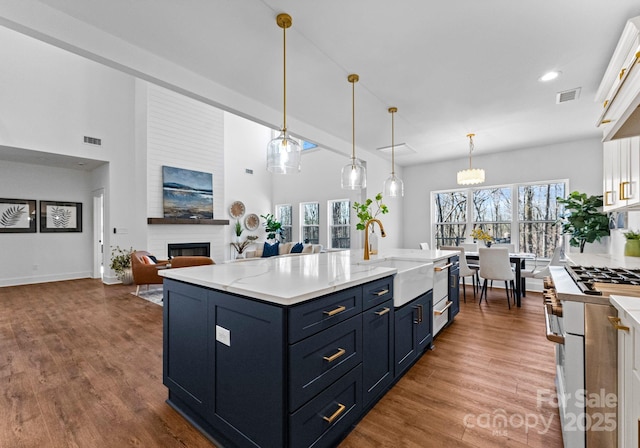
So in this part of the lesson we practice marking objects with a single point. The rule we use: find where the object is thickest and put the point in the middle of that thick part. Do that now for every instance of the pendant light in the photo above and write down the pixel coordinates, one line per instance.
(393, 186)
(470, 176)
(354, 174)
(283, 152)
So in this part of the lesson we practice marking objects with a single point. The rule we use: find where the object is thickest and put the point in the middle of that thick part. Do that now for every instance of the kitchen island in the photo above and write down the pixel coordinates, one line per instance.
(288, 351)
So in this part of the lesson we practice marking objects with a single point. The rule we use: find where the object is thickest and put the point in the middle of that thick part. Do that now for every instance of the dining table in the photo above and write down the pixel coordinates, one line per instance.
(518, 259)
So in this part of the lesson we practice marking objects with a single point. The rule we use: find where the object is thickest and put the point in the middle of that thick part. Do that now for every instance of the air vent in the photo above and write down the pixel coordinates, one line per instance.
(400, 150)
(568, 95)
(92, 141)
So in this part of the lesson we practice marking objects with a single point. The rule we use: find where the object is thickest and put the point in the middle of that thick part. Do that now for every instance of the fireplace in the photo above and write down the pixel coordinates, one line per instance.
(189, 249)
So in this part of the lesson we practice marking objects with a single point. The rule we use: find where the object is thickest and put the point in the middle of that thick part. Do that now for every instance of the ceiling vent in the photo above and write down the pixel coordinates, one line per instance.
(568, 95)
(400, 150)
(92, 141)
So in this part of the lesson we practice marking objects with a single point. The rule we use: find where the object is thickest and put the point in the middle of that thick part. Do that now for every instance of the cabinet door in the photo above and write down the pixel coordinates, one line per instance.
(424, 330)
(186, 343)
(626, 424)
(248, 370)
(406, 321)
(454, 290)
(610, 178)
(377, 344)
(634, 171)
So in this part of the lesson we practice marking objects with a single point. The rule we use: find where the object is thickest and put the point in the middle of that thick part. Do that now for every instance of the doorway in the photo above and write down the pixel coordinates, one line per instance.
(98, 233)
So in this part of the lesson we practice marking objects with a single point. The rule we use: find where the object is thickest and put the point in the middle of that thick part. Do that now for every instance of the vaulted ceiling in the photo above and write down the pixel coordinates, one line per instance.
(450, 68)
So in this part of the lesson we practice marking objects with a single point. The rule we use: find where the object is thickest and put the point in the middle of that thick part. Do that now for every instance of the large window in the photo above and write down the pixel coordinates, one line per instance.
(283, 214)
(528, 224)
(310, 228)
(339, 224)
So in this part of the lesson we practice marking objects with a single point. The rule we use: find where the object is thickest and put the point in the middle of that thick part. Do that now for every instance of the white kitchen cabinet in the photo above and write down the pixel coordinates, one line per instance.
(621, 174)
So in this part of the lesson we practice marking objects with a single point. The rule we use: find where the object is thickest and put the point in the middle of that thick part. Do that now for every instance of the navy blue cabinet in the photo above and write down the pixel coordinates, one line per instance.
(255, 374)
(454, 288)
(413, 331)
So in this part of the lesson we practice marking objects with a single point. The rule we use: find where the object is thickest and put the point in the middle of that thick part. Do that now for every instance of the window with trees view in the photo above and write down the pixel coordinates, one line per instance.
(283, 214)
(310, 228)
(340, 224)
(527, 224)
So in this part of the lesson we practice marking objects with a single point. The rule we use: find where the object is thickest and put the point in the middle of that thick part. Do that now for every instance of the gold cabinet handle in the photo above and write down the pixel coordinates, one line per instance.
(335, 356)
(608, 197)
(381, 293)
(333, 312)
(336, 414)
(383, 311)
(622, 73)
(442, 268)
(420, 316)
(438, 313)
(623, 191)
(551, 336)
(615, 321)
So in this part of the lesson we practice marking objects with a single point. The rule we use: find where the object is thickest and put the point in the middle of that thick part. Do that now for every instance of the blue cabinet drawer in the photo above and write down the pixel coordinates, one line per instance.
(324, 420)
(377, 292)
(316, 362)
(312, 317)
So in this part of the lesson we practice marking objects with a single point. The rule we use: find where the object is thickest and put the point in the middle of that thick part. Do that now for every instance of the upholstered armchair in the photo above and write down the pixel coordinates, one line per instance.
(145, 270)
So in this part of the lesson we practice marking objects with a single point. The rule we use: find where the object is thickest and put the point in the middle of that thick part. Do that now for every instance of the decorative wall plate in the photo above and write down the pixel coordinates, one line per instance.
(236, 210)
(251, 222)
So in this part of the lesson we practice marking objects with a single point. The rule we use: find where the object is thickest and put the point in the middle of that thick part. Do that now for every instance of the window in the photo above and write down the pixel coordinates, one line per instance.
(527, 223)
(283, 214)
(538, 210)
(310, 228)
(340, 224)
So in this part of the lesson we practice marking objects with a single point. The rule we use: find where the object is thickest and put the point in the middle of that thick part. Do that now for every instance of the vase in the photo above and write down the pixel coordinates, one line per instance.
(487, 243)
(632, 248)
(126, 277)
(373, 243)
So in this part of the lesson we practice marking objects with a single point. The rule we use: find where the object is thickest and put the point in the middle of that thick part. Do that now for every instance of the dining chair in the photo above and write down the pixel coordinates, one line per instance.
(424, 246)
(544, 272)
(465, 271)
(469, 247)
(510, 247)
(495, 265)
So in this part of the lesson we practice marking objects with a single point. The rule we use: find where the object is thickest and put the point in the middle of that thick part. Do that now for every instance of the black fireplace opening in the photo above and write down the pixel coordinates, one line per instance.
(189, 249)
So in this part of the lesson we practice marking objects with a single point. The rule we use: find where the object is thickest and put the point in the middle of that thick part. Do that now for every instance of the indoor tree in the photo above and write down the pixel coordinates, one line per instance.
(583, 219)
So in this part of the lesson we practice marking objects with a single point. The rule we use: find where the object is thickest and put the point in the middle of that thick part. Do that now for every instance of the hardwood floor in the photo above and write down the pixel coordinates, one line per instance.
(81, 366)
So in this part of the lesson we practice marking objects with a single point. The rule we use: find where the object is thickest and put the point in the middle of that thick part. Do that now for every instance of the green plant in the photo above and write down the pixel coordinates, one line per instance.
(272, 226)
(583, 219)
(120, 259)
(365, 212)
(238, 228)
(631, 235)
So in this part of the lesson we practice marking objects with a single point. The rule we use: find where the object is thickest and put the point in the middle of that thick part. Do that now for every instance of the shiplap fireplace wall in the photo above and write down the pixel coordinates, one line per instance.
(183, 133)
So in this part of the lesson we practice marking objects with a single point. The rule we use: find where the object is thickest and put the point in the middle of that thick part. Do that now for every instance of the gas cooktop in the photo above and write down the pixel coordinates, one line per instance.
(586, 277)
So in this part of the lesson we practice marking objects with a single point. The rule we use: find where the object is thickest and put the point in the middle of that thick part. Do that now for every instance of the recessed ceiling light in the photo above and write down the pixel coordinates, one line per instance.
(549, 76)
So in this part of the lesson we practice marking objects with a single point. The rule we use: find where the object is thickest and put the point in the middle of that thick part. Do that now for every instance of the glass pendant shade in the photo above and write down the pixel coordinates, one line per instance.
(283, 155)
(470, 176)
(354, 176)
(393, 186)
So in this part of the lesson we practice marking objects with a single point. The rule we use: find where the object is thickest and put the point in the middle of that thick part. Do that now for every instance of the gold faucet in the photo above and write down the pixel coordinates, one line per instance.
(366, 235)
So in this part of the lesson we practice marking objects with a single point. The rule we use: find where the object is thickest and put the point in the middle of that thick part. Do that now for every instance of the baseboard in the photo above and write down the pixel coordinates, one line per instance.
(43, 279)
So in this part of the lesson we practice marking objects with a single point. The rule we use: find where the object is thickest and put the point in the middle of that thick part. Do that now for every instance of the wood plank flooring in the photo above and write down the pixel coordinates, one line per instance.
(81, 366)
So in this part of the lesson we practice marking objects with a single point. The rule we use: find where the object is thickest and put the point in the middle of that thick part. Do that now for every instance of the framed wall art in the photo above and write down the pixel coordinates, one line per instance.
(187, 193)
(17, 216)
(60, 216)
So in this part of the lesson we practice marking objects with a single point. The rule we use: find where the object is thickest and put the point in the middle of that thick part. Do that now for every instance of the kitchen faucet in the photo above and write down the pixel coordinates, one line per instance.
(366, 235)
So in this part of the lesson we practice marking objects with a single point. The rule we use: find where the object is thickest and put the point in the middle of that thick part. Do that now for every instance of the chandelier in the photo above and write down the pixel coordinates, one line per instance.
(472, 175)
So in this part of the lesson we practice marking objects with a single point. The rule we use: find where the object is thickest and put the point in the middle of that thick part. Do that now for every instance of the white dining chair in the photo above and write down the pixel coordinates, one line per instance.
(469, 247)
(544, 272)
(424, 246)
(465, 271)
(509, 246)
(495, 265)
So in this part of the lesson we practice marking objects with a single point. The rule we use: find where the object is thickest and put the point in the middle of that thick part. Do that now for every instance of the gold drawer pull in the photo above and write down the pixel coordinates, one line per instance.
(608, 195)
(335, 356)
(336, 414)
(438, 313)
(383, 311)
(340, 309)
(442, 268)
(623, 191)
(615, 321)
(622, 73)
(381, 293)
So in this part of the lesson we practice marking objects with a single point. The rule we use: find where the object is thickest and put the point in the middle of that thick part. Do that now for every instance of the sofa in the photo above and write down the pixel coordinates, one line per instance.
(145, 267)
(285, 249)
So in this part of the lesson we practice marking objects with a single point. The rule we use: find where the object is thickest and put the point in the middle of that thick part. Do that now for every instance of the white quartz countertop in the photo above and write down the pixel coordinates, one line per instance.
(627, 305)
(287, 280)
(603, 260)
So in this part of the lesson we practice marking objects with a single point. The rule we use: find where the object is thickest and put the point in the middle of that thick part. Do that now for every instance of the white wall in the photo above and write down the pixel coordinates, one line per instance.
(579, 161)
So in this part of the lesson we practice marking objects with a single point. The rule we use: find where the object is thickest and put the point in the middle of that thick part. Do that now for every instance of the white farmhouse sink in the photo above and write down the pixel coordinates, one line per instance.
(413, 279)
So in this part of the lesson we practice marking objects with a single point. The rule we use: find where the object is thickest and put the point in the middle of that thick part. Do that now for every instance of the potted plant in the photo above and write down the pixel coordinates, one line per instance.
(272, 226)
(121, 264)
(583, 219)
(632, 246)
(238, 230)
(241, 246)
(366, 211)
